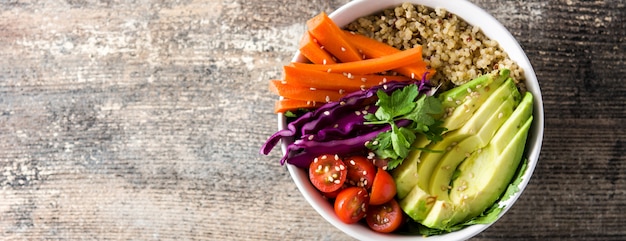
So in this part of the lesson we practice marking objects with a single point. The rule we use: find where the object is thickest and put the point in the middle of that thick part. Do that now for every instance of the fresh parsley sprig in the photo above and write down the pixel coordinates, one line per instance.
(408, 104)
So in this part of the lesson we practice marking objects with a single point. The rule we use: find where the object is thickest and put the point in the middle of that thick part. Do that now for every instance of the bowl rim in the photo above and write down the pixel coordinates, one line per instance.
(475, 16)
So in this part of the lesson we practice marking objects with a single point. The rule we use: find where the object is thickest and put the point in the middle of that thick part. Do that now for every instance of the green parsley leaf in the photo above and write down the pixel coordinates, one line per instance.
(395, 145)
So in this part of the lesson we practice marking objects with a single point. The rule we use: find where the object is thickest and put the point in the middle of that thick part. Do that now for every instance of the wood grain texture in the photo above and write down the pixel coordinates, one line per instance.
(142, 120)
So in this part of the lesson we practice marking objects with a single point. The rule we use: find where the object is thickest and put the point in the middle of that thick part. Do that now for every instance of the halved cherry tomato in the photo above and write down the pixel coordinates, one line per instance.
(333, 194)
(351, 204)
(383, 188)
(384, 218)
(361, 171)
(327, 173)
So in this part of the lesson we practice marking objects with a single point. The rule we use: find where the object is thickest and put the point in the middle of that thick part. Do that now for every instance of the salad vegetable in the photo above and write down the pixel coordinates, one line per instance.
(310, 48)
(330, 37)
(375, 49)
(447, 158)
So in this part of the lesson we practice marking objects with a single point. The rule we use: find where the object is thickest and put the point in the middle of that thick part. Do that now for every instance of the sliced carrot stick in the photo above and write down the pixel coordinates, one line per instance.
(302, 93)
(289, 104)
(330, 36)
(370, 66)
(313, 51)
(372, 48)
(308, 78)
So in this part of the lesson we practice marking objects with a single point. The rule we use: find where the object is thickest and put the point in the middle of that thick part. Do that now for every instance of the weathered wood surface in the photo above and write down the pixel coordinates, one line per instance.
(142, 120)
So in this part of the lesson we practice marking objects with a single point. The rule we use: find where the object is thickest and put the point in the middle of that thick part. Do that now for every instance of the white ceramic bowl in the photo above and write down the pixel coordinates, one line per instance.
(495, 31)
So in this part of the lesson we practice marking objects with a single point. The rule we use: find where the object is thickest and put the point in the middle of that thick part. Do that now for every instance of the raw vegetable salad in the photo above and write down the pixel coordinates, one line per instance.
(386, 147)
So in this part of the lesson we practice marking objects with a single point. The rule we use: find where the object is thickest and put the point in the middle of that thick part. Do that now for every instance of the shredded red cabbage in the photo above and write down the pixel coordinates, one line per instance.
(336, 127)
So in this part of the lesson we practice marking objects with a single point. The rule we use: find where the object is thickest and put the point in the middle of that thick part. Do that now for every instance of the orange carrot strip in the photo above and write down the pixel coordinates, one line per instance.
(289, 104)
(302, 93)
(372, 48)
(313, 51)
(369, 66)
(308, 78)
(331, 37)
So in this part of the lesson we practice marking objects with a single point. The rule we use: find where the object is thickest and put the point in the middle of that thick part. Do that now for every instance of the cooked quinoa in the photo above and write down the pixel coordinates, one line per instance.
(458, 51)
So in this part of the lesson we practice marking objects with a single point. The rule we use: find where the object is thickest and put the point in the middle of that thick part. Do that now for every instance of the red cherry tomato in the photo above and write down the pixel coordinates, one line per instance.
(327, 173)
(384, 218)
(383, 188)
(333, 194)
(351, 204)
(361, 171)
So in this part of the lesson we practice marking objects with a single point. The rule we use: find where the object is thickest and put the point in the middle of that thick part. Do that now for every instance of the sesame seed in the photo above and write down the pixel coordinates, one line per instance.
(342, 167)
(322, 47)
(350, 76)
(352, 162)
(312, 88)
(500, 115)
(341, 91)
(327, 98)
(343, 49)
(412, 75)
(384, 80)
(384, 168)
(469, 90)
(337, 168)
(449, 98)
(337, 181)
(330, 179)
(326, 112)
(336, 157)
(283, 82)
(316, 160)
(310, 137)
(467, 154)
(342, 103)
(324, 61)
(362, 87)
(329, 70)
(335, 125)
(375, 143)
(364, 112)
(478, 86)
(458, 102)
(364, 79)
(385, 87)
(364, 172)
(357, 113)
(324, 157)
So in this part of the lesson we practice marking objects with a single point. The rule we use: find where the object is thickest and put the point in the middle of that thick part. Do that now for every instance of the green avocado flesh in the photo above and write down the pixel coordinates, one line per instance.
(442, 184)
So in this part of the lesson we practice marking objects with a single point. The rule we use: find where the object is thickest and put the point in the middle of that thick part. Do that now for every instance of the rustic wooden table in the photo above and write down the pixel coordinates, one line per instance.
(143, 120)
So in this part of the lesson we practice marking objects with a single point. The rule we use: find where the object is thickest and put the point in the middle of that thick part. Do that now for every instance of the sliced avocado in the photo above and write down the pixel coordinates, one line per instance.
(484, 178)
(417, 203)
(461, 102)
(405, 175)
(441, 215)
(486, 173)
(442, 174)
(523, 111)
(430, 160)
